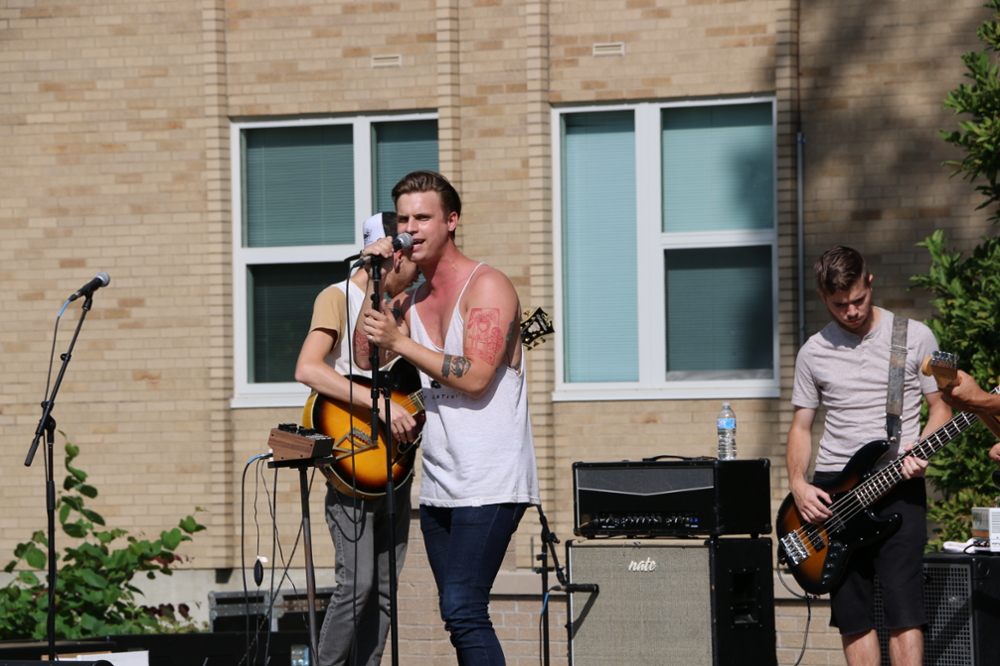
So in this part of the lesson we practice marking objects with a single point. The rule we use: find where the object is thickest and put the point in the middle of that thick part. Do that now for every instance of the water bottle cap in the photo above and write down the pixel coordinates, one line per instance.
(725, 404)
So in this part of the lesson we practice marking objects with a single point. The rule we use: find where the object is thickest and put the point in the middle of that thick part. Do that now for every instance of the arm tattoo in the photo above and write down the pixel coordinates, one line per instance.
(483, 336)
(454, 365)
(361, 344)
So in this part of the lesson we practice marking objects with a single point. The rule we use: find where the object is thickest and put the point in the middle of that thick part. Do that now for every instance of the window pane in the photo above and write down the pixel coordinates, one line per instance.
(400, 147)
(719, 313)
(281, 302)
(599, 247)
(299, 187)
(718, 168)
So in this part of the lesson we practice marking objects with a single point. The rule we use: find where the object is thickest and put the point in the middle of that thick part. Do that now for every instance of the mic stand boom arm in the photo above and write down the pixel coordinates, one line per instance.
(47, 427)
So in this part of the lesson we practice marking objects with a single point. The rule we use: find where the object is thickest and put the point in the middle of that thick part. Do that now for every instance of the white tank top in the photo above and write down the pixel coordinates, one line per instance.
(475, 451)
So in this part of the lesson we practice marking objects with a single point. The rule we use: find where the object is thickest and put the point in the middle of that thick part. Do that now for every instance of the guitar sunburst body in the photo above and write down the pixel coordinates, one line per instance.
(359, 467)
(827, 547)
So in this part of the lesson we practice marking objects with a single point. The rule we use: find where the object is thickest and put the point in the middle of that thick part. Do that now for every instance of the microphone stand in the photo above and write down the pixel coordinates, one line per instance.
(549, 539)
(390, 488)
(47, 427)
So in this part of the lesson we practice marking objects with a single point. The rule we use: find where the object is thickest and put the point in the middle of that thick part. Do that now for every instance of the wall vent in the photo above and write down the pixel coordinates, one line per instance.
(381, 61)
(611, 49)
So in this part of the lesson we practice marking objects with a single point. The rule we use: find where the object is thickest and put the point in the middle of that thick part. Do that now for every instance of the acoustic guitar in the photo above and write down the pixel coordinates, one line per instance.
(359, 465)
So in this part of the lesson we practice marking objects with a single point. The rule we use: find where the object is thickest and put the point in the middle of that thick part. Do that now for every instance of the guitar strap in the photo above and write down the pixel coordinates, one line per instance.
(897, 377)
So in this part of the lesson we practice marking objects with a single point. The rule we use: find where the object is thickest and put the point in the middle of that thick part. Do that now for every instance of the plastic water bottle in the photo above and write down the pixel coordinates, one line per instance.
(727, 433)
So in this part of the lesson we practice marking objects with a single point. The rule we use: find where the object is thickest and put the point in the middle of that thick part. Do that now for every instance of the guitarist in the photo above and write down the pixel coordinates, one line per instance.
(845, 367)
(357, 619)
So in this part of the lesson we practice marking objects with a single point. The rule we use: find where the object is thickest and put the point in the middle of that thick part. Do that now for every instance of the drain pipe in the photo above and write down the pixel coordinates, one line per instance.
(800, 142)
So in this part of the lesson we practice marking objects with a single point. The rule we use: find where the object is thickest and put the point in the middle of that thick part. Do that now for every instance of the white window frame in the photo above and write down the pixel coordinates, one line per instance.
(651, 242)
(291, 394)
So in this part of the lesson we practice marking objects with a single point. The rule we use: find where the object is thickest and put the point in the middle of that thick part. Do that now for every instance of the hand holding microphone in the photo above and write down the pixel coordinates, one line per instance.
(403, 241)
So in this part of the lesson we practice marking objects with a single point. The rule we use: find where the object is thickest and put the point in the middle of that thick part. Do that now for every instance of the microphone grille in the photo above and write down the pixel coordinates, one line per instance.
(104, 278)
(403, 241)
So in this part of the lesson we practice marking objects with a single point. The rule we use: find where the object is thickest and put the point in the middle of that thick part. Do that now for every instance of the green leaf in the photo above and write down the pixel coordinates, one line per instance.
(190, 525)
(93, 579)
(28, 578)
(93, 516)
(172, 539)
(36, 558)
(77, 530)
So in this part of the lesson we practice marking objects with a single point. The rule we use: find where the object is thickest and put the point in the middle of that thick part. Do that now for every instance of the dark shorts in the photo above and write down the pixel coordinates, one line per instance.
(898, 562)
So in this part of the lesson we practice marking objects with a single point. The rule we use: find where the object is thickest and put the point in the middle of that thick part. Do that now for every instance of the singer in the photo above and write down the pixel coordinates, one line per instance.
(360, 528)
(460, 329)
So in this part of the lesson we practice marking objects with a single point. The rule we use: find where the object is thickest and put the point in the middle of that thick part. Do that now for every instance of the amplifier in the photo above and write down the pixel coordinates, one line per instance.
(672, 498)
(671, 601)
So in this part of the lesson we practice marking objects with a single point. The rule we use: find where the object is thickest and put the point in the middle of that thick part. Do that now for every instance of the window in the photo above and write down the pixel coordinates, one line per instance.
(666, 248)
(301, 190)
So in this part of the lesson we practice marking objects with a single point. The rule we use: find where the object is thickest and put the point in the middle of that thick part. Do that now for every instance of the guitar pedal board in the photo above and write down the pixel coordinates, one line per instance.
(290, 441)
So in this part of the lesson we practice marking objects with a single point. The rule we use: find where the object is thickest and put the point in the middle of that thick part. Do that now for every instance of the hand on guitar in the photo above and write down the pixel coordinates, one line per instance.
(912, 466)
(404, 427)
(811, 502)
(965, 395)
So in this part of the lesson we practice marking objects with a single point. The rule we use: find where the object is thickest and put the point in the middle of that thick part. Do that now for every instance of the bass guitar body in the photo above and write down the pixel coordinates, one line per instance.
(817, 554)
(359, 466)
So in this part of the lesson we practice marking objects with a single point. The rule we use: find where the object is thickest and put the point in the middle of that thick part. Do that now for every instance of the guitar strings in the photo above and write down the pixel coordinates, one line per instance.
(875, 486)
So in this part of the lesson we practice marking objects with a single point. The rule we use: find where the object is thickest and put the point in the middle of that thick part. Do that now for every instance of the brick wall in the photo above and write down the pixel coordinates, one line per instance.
(114, 129)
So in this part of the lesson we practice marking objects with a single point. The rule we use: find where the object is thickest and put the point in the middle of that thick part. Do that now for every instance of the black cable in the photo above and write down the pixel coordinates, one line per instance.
(808, 599)
(243, 568)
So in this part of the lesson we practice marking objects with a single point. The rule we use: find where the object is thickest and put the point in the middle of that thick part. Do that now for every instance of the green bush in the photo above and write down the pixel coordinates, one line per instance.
(979, 135)
(967, 324)
(968, 290)
(95, 594)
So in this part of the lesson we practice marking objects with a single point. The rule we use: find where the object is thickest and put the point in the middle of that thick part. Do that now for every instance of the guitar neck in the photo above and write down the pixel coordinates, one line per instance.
(883, 481)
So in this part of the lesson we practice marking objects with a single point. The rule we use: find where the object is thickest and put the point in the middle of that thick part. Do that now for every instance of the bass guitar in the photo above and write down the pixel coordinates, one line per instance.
(817, 554)
(359, 464)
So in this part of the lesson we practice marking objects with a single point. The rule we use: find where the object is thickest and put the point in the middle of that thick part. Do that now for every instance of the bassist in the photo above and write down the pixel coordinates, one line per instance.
(845, 367)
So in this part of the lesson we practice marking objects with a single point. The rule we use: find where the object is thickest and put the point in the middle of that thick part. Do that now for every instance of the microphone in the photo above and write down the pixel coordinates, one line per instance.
(102, 279)
(403, 241)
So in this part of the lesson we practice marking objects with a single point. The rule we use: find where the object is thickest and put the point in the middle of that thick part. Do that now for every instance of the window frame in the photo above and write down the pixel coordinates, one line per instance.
(651, 242)
(291, 394)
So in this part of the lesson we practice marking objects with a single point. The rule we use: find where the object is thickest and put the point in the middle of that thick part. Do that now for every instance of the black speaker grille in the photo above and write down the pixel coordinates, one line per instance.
(948, 640)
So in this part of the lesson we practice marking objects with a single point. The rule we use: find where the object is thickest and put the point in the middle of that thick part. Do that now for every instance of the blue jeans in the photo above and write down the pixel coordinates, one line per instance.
(465, 547)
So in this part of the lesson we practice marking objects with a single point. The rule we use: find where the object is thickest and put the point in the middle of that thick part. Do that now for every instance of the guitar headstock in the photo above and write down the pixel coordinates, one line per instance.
(943, 367)
(534, 327)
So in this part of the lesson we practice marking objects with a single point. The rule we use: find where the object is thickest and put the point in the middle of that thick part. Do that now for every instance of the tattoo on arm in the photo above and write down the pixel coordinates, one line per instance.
(454, 365)
(483, 336)
(361, 344)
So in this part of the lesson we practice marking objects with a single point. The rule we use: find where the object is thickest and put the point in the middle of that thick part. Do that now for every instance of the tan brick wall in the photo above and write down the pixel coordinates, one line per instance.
(114, 131)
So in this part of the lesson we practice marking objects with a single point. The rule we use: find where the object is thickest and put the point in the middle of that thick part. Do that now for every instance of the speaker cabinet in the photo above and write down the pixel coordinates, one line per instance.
(962, 601)
(668, 601)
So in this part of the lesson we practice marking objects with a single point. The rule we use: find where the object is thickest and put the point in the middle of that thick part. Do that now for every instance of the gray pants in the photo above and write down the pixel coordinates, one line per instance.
(357, 621)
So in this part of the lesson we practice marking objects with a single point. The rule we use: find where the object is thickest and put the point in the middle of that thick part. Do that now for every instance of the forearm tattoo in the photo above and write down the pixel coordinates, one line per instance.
(362, 346)
(454, 365)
